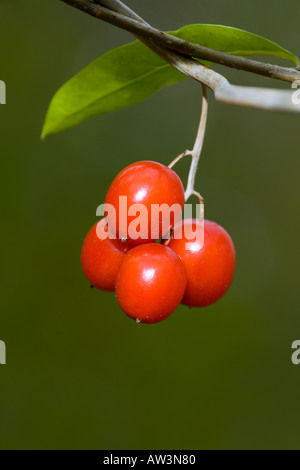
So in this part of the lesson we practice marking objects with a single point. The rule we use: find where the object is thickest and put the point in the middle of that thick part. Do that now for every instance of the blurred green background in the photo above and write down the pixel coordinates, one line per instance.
(79, 373)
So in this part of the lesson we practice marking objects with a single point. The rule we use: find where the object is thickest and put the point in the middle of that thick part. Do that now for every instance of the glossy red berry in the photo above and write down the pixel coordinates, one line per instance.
(148, 184)
(150, 283)
(209, 268)
(101, 259)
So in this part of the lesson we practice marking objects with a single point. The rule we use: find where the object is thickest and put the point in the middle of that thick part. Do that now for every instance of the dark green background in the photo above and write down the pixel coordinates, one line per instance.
(79, 373)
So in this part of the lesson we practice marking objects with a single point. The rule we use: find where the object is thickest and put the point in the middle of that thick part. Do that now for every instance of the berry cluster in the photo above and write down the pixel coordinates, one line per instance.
(151, 277)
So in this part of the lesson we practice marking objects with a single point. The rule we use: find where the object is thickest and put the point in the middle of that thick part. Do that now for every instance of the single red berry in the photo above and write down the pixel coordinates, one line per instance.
(209, 268)
(101, 258)
(148, 185)
(150, 283)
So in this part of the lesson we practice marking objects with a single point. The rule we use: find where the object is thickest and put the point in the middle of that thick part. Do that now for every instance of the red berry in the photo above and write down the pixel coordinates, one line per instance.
(150, 283)
(101, 259)
(145, 183)
(209, 268)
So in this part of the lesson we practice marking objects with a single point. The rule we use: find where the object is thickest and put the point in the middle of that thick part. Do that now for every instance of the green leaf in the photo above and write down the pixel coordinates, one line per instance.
(131, 73)
(233, 41)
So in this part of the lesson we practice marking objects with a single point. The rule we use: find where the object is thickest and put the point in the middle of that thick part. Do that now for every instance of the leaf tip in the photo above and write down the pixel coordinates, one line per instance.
(44, 132)
(46, 129)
